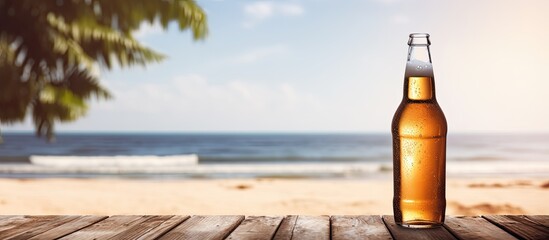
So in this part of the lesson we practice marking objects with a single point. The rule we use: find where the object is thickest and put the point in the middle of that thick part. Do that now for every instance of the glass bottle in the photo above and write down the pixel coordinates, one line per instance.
(419, 144)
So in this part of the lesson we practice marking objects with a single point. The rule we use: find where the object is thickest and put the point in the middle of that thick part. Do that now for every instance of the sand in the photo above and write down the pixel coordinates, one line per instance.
(258, 196)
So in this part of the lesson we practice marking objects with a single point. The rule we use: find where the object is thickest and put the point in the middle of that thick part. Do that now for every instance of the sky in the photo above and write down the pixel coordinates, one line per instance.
(332, 66)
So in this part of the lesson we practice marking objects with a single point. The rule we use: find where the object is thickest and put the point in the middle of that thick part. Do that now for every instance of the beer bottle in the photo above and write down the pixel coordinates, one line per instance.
(419, 144)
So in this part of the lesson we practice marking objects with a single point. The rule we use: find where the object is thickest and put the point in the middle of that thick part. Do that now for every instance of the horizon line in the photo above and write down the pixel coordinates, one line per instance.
(261, 132)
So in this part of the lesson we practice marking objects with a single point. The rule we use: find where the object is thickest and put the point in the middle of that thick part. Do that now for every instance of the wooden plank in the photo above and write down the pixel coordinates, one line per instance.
(286, 228)
(204, 227)
(7, 222)
(6, 217)
(25, 223)
(41, 228)
(359, 227)
(257, 228)
(475, 228)
(163, 228)
(542, 219)
(69, 227)
(312, 227)
(304, 227)
(520, 226)
(399, 232)
(107, 228)
(148, 226)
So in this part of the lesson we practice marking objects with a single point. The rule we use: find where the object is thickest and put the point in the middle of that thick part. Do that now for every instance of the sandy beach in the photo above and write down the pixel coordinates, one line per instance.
(261, 196)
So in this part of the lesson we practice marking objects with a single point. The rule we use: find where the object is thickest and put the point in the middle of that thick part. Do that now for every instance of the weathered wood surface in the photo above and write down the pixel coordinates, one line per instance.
(359, 227)
(29, 225)
(399, 232)
(312, 227)
(257, 227)
(7, 222)
(542, 219)
(70, 227)
(204, 227)
(304, 227)
(107, 228)
(286, 228)
(267, 227)
(475, 228)
(163, 227)
(153, 227)
(521, 227)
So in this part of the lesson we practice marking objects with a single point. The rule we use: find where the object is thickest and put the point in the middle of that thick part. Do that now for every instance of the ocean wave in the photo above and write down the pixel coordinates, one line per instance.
(476, 158)
(188, 166)
(117, 161)
(291, 159)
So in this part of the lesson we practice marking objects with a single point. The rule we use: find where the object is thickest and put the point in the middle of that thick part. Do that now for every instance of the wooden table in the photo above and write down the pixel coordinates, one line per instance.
(267, 227)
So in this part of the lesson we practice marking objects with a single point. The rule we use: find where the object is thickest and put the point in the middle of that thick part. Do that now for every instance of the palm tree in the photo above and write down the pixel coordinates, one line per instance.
(50, 48)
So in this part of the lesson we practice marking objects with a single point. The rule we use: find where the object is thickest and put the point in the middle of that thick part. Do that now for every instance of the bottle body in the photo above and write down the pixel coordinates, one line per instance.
(419, 131)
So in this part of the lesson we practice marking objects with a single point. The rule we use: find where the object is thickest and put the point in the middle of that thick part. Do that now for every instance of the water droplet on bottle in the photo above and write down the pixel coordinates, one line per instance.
(419, 67)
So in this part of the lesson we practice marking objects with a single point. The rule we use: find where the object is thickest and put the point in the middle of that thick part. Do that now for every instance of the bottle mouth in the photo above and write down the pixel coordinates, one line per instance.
(419, 39)
(425, 35)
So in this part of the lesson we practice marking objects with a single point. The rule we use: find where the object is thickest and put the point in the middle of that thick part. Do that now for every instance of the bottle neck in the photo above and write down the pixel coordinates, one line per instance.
(419, 84)
(419, 89)
(419, 53)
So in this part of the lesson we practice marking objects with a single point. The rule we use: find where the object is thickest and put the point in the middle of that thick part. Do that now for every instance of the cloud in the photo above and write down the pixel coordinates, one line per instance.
(147, 29)
(195, 91)
(194, 102)
(259, 54)
(400, 19)
(257, 12)
(386, 1)
(290, 9)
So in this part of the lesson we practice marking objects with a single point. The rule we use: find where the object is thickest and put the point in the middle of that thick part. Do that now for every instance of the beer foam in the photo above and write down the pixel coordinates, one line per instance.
(416, 68)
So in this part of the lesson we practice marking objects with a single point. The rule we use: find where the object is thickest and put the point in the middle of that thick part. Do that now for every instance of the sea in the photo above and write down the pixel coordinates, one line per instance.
(520, 153)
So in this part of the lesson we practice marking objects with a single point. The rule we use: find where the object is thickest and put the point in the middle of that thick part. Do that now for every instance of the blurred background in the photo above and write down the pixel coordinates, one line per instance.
(263, 98)
(309, 66)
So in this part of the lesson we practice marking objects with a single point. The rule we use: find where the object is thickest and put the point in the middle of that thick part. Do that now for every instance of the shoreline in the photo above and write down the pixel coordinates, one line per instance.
(259, 196)
(182, 168)
(190, 177)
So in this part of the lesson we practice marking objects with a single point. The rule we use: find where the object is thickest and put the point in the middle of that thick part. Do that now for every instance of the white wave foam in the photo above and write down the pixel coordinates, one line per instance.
(184, 165)
(114, 161)
(498, 167)
(417, 68)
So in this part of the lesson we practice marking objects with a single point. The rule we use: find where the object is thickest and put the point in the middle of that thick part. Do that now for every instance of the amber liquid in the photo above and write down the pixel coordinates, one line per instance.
(419, 156)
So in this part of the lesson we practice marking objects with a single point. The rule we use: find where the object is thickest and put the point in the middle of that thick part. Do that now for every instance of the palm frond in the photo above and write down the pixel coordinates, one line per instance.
(48, 50)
